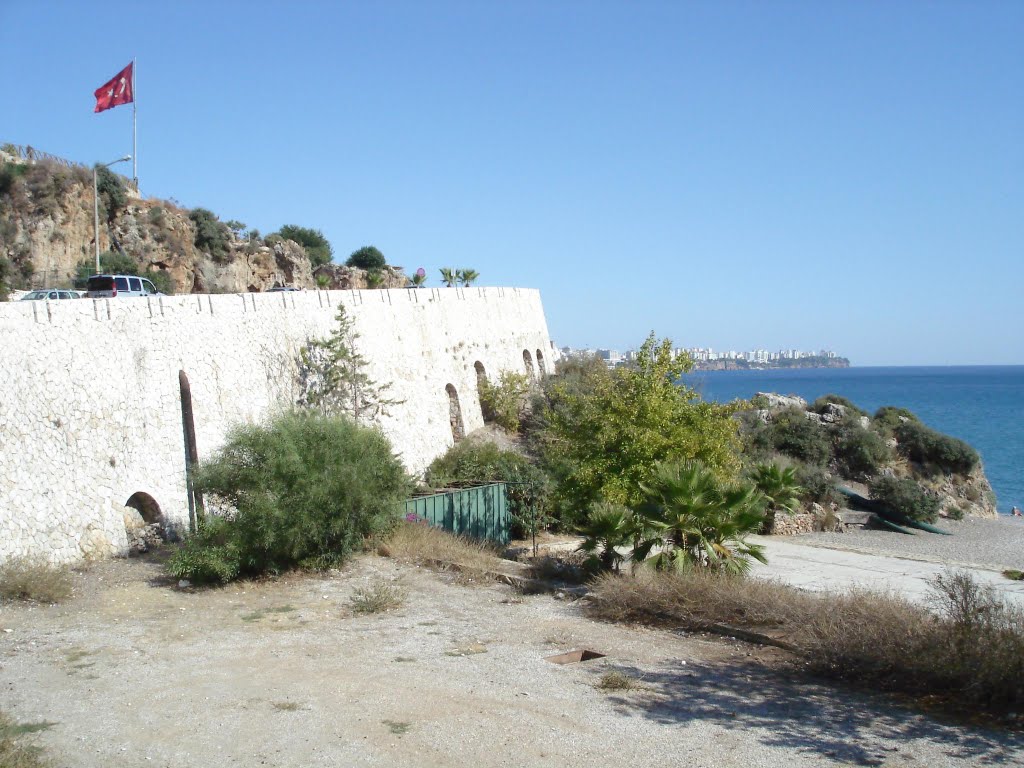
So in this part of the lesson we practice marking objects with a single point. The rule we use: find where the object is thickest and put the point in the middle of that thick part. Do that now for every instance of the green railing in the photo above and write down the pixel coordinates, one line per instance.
(481, 512)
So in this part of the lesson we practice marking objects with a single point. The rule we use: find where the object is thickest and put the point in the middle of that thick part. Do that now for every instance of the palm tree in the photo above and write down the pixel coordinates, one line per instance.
(609, 527)
(449, 277)
(418, 279)
(780, 489)
(468, 275)
(696, 521)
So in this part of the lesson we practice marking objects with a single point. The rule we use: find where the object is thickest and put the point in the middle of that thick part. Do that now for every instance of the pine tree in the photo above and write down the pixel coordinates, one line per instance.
(333, 378)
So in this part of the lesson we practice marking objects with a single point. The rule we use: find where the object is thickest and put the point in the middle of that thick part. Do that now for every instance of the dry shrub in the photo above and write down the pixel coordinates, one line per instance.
(967, 653)
(616, 681)
(697, 598)
(13, 752)
(25, 578)
(379, 597)
(423, 544)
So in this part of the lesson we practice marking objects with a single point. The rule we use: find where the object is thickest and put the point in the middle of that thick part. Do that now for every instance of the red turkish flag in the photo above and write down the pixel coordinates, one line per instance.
(120, 90)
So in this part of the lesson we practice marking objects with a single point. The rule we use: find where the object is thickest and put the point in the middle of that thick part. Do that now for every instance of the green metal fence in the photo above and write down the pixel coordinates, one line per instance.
(481, 512)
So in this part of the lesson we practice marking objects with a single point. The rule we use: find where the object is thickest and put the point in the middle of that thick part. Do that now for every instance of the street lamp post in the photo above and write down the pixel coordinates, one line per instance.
(96, 205)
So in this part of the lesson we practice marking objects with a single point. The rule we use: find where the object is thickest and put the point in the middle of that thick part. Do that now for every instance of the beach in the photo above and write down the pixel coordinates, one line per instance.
(995, 544)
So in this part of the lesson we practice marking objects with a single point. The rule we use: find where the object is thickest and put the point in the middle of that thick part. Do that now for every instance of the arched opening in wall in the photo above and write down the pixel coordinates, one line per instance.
(481, 373)
(188, 428)
(540, 363)
(528, 362)
(144, 523)
(455, 414)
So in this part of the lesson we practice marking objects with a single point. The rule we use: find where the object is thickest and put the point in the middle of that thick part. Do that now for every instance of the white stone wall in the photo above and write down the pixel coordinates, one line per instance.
(91, 410)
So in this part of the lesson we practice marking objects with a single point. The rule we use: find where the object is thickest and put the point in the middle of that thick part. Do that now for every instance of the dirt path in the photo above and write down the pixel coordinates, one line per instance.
(134, 673)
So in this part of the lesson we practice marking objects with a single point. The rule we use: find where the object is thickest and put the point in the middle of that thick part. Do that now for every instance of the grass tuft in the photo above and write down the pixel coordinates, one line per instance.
(616, 681)
(379, 597)
(14, 753)
(34, 580)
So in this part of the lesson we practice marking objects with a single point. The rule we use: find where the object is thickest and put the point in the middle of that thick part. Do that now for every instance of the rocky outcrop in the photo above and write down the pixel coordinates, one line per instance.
(958, 495)
(47, 231)
(341, 277)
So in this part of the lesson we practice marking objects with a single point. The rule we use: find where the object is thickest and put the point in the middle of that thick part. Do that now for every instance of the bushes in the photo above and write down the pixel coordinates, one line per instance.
(793, 434)
(304, 491)
(905, 497)
(858, 451)
(111, 191)
(888, 418)
(471, 463)
(502, 402)
(317, 247)
(935, 451)
(821, 404)
(368, 258)
(212, 235)
(816, 483)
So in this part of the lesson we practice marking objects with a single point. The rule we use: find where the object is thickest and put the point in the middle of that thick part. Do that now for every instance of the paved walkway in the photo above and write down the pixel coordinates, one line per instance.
(819, 569)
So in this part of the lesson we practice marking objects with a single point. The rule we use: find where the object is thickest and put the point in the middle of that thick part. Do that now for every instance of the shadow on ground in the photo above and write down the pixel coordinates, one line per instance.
(812, 719)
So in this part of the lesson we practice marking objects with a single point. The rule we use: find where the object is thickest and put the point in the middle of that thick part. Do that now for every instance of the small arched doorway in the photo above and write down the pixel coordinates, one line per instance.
(455, 414)
(528, 362)
(540, 364)
(481, 374)
(144, 523)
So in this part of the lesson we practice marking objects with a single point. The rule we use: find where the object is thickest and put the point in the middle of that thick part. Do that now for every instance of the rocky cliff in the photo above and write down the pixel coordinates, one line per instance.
(46, 235)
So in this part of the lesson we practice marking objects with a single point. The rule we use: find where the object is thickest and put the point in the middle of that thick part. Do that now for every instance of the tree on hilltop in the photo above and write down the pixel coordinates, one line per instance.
(368, 258)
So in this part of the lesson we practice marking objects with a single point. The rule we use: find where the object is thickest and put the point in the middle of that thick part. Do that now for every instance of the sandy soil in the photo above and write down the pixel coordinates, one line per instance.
(132, 672)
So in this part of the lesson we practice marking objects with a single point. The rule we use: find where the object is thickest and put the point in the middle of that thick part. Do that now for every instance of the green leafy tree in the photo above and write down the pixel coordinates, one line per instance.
(608, 529)
(449, 277)
(467, 276)
(212, 235)
(235, 226)
(471, 463)
(333, 377)
(502, 403)
(367, 257)
(305, 492)
(780, 489)
(111, 191)
(696, 521)
(605, 433)
(317, 247)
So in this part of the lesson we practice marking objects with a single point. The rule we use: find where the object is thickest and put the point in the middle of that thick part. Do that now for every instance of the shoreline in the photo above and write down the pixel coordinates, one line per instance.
(990, 543)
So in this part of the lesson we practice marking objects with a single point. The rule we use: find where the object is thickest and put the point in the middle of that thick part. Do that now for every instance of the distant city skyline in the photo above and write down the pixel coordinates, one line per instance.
(845, 171)
(703, 354)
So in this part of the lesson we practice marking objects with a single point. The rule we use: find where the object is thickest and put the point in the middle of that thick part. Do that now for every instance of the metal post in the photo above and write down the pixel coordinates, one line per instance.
(135, 111)
(96, 204)
(96, 216)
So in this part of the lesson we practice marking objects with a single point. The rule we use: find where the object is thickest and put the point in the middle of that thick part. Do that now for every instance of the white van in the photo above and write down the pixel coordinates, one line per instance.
(117, 286)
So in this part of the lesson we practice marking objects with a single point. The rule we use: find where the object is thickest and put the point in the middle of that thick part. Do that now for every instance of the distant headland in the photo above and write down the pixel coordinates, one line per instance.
(739, 364)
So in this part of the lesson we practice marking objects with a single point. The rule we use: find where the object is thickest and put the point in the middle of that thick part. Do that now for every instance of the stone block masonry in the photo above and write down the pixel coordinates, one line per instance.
(91, 416)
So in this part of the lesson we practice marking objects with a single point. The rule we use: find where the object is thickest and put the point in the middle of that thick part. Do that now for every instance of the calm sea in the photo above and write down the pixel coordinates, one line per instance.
(983, 405)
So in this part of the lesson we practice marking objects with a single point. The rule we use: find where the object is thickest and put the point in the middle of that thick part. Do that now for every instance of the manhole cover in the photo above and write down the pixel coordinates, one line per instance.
(574, 656)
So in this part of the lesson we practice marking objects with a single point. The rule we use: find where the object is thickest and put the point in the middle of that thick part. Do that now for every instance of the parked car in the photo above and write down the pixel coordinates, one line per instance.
(52, 294)
(120, 286)
(279, 288)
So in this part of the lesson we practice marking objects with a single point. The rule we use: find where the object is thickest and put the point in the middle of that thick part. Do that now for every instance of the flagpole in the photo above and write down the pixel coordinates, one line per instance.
(135, 112)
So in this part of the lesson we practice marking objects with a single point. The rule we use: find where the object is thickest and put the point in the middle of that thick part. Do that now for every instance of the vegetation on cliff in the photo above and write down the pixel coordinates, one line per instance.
(47, 239)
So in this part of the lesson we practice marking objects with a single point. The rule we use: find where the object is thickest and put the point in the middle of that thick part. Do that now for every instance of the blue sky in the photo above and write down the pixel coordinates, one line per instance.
(735, 174)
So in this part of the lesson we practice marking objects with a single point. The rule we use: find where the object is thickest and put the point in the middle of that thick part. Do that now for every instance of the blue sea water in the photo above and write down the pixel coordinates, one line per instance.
(983, 405)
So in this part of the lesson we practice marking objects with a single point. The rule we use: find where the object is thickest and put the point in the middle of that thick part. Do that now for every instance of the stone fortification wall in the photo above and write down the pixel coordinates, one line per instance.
(91, 414)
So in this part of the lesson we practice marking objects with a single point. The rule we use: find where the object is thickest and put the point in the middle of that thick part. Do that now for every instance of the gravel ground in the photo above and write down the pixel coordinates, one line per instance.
(131, 672)
(978, 542)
